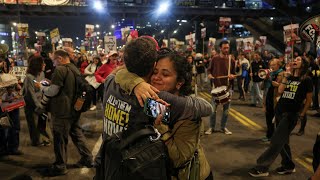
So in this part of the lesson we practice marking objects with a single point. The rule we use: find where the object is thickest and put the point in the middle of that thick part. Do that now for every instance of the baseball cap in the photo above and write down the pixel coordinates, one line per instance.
(111, 53)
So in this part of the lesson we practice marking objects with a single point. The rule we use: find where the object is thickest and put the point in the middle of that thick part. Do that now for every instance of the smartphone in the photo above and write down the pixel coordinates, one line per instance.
(153, 108)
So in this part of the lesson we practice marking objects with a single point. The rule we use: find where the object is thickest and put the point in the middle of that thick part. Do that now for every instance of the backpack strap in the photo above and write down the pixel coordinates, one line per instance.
(148, 131)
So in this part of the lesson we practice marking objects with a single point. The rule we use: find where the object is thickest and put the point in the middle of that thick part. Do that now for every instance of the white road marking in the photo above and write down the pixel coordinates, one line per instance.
(94, 153)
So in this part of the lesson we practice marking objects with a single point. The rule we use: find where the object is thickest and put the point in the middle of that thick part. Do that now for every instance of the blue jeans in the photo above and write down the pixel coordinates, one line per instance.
(256, 93)
(225, 114)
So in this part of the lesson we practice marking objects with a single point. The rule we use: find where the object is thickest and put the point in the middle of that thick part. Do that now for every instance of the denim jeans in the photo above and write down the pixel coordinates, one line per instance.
(225, 114)
(256, 93)
(279, 143)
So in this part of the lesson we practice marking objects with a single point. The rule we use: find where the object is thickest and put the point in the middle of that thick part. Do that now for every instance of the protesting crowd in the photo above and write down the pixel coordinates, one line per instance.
(152, 116)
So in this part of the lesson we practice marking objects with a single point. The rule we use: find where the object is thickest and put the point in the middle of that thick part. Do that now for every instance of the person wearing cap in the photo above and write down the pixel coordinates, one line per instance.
(102, 73)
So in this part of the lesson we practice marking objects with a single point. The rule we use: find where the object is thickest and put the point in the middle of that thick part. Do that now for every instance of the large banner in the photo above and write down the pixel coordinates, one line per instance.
(290, 33)
(55, 2)
(224, 25)
(110, 43)
(211, 44)
(31, 2)
(23, 30)
(55, 35)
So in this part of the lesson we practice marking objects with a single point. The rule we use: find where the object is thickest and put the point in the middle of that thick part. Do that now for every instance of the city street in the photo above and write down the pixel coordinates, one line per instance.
(230, 156)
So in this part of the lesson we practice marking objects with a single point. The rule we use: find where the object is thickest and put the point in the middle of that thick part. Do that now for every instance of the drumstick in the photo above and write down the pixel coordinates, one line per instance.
(219, 77)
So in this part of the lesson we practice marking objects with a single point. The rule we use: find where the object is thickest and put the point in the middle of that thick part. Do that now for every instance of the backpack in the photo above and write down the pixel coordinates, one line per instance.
(140, 155)
(83, 91)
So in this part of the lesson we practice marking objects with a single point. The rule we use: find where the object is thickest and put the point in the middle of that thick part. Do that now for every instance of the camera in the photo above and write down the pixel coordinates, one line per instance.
(153, 108)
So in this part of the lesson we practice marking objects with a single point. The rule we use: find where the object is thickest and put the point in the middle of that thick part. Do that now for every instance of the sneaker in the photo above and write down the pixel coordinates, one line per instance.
(209, 131)
(265, 139)
(226, 131)
(55, 171)
(84, 162)
(93, 108)
(282, 170)
(256, 173)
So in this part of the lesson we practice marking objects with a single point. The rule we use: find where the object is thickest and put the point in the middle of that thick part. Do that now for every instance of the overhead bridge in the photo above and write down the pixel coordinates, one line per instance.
(123, 11)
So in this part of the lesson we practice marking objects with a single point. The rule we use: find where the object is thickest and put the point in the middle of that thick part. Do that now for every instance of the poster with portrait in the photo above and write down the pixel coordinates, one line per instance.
(248, 44)
(190, 40)
(211, 43)
(224, 25)
(41, 37)
(23, 30)
(203, 32)
(55, 35)
(89, 30)
(125, 32)
(67, 42)
(290, 33)
(263, 40)
(240, 45)
(110, 43)
(164, 43)
(173, 43)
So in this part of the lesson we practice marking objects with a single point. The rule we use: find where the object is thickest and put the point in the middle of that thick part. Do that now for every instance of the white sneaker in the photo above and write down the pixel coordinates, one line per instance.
(93, 108)
(226, 131)
(209, 131)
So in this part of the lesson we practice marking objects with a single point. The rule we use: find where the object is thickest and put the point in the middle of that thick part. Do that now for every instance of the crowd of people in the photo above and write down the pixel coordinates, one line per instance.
(123, 81)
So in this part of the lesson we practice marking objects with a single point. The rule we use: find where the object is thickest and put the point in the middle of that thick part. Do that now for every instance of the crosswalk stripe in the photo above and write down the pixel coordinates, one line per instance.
(304, 164)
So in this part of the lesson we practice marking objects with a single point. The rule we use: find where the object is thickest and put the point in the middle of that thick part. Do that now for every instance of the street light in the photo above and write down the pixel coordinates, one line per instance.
(97, 25)
(112, 26)
(175, 31)
(163, 7)
(162, 31)
(98, 5)
(77, 38)
(14, 24)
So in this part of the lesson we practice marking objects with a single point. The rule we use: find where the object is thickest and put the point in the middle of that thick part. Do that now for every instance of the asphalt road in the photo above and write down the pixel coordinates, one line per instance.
(230, 156)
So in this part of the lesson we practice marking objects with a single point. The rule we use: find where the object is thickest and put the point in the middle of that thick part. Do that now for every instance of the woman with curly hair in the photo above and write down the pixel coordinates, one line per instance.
(173, 74)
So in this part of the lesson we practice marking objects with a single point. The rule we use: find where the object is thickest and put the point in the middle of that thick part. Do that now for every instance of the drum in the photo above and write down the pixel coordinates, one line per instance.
(221, 95)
